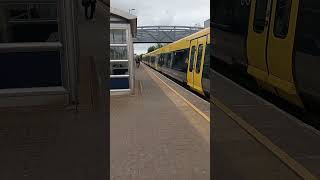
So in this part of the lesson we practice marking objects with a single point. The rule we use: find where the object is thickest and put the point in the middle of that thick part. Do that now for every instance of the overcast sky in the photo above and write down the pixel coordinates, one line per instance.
(165, 12)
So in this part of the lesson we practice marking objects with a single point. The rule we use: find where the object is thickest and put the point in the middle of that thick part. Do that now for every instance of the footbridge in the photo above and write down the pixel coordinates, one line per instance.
(163, 34)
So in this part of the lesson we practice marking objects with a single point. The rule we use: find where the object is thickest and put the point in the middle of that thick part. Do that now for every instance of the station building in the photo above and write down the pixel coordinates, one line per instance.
(207, 23)
(123, 28)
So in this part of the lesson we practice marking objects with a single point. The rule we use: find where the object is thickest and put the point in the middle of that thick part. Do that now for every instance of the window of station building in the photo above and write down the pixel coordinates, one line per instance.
(199, 58)
(118, 36)
(119, 68)
(193, 50)
(24, 63)
(179, 58)
(118, 53)
(30, 69)
(282, 18)
(119, 59)
(260, 15)
(28, 22)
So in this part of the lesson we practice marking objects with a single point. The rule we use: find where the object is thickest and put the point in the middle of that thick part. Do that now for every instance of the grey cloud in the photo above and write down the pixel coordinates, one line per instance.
(165, 12)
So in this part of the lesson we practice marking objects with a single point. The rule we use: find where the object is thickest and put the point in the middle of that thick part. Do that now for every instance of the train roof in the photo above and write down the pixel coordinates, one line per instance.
(181, 43)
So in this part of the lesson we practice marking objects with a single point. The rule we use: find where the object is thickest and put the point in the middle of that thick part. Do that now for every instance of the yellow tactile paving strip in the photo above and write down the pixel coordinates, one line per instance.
(152, 74)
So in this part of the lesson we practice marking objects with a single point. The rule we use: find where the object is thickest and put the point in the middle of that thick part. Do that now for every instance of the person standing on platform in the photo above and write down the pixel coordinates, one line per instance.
(138, 61)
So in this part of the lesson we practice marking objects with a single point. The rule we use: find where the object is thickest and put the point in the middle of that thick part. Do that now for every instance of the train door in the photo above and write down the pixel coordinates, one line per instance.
(280, 48)
(190, 74)
(198, 64)
(270, 44)
(257, 40)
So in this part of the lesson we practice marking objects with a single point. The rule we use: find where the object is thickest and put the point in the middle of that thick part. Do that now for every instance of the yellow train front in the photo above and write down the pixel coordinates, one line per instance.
(186, 60)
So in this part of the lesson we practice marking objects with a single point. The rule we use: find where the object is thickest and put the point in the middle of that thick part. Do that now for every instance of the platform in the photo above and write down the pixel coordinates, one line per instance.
(162, 132)
(289, 149)
(156, 135)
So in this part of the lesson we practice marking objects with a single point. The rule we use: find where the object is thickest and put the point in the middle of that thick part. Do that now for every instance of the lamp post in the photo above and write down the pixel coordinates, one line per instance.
(131, 10)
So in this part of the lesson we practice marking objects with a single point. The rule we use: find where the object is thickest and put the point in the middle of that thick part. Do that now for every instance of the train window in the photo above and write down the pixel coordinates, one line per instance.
(164, 59)
(199, 58)
(28, 22)
(168, 58)
(160, 62)
(193, 50)
(118, 53)
(282, 19)
(161, 59)
(308, 37)
(206, 65)
(178, 62)
(119, 68)
(210, 55)
(118, 36)
(260, 16)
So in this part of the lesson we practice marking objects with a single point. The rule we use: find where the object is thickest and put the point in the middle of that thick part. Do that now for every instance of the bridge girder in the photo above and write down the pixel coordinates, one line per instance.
(163, 34)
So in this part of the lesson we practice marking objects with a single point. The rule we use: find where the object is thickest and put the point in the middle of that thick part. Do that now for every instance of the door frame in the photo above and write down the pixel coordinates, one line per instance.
(190, 70)
(197, 76)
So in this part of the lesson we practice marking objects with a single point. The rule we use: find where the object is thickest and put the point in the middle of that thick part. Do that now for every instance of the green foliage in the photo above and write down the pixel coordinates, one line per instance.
(152, 48)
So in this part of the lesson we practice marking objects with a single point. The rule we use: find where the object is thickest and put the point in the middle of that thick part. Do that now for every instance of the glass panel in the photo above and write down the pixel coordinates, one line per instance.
(260, 15)
(308, 37)
(119, 83)
(118, 36)
(192, 58)
(161, 60)
(206, 65)
(281, 24)
(30, 69)
(119, 68)
(31, 12)
(199, 58)
(118, 53)
(179, 62)
(169, 59)
(28, 23)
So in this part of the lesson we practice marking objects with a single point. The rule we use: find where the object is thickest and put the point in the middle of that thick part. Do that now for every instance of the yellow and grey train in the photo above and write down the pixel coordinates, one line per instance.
(186, 60)
(275, 41)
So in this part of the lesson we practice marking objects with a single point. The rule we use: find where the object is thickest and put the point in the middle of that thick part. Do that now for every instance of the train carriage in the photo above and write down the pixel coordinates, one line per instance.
(186, 60)
(276, 41)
